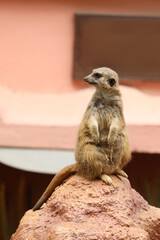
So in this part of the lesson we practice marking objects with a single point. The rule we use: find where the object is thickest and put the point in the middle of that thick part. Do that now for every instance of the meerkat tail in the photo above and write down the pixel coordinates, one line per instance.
(56, 181)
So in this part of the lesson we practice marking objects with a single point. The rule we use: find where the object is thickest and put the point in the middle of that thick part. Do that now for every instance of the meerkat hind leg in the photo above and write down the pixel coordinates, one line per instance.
(105, 178)
(121, 173)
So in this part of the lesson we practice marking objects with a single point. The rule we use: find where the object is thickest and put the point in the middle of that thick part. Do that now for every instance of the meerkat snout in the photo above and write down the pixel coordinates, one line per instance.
(89, 79)
(86, 79)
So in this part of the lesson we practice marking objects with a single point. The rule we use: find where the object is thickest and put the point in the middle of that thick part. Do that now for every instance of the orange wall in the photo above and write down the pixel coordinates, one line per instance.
(36, 40)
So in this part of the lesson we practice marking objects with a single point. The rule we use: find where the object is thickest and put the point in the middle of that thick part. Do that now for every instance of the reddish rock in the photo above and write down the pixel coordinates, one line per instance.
(91, 210)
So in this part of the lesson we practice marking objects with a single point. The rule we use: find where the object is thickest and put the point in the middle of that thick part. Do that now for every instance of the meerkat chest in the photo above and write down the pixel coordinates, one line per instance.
(105, 112)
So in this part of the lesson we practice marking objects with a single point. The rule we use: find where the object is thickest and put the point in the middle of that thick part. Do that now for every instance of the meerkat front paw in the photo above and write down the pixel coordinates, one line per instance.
(105, 178)
(121, 173)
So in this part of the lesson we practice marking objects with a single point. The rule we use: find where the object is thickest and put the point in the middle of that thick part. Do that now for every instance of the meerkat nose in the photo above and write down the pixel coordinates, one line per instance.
(86, 79)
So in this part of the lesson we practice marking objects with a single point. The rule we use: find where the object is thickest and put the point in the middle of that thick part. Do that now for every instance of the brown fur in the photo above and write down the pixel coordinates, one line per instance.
(102, 146)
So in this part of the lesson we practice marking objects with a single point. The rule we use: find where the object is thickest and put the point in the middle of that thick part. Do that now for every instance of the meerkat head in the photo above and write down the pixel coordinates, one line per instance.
(103, 78)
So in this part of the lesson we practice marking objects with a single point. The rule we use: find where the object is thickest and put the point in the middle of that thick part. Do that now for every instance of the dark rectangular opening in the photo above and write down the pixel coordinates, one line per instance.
(128, 44)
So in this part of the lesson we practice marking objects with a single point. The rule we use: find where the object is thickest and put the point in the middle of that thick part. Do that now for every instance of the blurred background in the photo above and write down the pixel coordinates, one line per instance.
(46, 48)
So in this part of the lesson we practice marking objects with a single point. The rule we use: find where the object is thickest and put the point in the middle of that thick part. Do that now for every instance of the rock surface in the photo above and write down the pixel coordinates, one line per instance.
(91, 210)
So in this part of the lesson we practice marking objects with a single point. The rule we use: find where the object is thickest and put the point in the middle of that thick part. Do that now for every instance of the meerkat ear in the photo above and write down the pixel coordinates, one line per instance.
(111, 82)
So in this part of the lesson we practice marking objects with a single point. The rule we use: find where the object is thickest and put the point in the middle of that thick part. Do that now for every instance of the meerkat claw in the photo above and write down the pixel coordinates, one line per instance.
(121, 173)
(105, 178)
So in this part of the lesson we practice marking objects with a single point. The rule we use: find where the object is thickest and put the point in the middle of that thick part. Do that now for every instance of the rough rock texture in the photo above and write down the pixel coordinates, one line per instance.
(91, 210)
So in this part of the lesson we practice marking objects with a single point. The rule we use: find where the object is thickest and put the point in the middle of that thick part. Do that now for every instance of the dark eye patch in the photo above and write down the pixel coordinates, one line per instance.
(111, 82)
(97, 75)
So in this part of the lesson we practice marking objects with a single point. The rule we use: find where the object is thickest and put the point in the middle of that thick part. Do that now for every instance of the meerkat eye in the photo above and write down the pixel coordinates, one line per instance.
(97, 75)
(111, 81)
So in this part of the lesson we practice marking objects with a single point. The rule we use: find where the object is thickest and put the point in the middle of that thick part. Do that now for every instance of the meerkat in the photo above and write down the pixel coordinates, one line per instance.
(102, 147)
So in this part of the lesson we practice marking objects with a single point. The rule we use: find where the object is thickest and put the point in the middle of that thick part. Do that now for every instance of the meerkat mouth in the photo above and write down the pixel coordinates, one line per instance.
(93, 83)
(90, 81)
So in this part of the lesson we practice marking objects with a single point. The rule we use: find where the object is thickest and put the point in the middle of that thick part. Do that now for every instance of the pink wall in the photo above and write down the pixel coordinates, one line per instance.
(37, 91)
(36, 42)
(35, 46)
